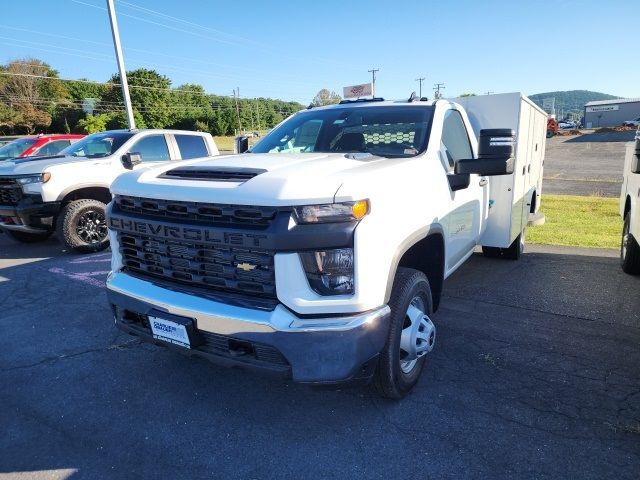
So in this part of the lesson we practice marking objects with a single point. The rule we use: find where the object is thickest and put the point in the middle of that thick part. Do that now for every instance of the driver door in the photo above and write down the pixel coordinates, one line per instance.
(464, 219)
(152, 149)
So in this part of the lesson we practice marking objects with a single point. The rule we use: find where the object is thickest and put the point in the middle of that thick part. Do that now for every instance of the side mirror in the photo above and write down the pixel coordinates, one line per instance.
(130, 160)
(242, 144)
(495, 154)
(459, 181)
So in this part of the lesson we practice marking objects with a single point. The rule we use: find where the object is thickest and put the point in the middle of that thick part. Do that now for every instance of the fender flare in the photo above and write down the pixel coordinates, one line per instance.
(80, 186)
(410, 241)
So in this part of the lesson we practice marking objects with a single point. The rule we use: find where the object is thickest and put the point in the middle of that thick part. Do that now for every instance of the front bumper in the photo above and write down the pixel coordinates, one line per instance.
(327, 350)
(29, 215)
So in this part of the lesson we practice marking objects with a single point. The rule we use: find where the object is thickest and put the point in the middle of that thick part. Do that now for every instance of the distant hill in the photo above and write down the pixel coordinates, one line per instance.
(571, 100)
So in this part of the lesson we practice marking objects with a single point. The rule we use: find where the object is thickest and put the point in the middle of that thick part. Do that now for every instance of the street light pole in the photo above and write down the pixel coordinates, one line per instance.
(123, 74)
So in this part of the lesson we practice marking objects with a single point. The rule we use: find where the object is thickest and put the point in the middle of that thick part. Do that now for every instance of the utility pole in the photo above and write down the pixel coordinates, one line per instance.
(257, 104)
(436, 89)
(236, 96)
(123, 74)
(420, 80)
(253, 125)
(373, 80)
(488, 93)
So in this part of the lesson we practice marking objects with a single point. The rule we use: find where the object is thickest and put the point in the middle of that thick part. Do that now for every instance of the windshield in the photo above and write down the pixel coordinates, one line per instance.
(397, 131)
(15, 148)
(97, 145)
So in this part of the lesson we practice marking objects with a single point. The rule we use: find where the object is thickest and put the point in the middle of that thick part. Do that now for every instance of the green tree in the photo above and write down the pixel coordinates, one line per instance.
(9, 119)
(468, 95)
(32, 89)
(151, 96)
(118, 120)
(325, 97)
(93, 123)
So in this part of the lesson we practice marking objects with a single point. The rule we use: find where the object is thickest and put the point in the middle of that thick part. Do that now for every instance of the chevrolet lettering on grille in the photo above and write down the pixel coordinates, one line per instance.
(188, 233)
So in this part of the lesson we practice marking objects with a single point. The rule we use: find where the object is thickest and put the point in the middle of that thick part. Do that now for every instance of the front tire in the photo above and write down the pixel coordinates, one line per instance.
(26, 237)
(411, 335)
(82, 226)
(629, 249)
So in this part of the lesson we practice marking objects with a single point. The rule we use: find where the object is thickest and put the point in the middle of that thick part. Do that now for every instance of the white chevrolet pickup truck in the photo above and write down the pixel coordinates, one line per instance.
(67, 193)
(321, 254)
(630, 209)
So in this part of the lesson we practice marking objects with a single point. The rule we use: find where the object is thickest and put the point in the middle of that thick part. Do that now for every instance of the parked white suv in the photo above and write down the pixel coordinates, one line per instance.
(321, 255)
(67, 193)
(630, 209)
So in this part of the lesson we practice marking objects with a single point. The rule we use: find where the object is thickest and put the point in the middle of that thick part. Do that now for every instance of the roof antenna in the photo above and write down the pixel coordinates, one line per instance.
(413, 97)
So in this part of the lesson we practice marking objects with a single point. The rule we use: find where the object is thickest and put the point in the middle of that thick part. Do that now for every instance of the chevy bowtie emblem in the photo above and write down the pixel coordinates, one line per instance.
(247, 267)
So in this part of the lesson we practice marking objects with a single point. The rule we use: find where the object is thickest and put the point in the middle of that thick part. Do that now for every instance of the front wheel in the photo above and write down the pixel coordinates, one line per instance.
(82, 226)
(27, 237)
(411, 335)
(629, 249)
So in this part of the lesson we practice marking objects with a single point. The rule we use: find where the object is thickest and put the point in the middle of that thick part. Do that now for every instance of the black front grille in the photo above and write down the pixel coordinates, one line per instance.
(219, 268)
(209, 213)
(10, 192)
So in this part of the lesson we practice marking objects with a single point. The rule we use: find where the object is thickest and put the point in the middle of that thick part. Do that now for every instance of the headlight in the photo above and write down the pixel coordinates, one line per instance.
(332, 212)
(28, 179)
(330, 272)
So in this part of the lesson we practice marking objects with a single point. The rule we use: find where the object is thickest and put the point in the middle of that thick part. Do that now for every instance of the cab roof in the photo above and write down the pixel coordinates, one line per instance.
(377, 102)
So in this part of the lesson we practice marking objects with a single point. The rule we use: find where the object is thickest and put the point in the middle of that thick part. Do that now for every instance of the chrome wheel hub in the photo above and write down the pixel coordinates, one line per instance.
(92, 227)
(418, 335)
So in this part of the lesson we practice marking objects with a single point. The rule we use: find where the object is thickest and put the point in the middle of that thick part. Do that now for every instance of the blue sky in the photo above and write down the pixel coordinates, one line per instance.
(291, 49)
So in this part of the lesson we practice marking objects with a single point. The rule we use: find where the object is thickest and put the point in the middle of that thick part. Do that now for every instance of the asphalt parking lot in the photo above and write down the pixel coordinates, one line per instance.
(588, 164)
(536, 375)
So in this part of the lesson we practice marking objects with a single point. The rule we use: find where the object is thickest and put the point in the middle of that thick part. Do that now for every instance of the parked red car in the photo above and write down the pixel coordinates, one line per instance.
(37, 146)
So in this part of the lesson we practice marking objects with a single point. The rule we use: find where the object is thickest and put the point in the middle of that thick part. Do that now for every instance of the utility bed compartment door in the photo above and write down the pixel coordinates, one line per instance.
(509, 195)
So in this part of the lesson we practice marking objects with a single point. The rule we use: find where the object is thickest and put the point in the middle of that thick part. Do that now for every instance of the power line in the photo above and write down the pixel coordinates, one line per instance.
(152, 22)
(111, 84)
(129, 49)
(186, 22)
(148, 66)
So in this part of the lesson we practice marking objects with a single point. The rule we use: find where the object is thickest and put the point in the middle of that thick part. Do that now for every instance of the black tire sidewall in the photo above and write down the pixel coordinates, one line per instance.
(68, 222)
(409, 284)
(625, 230)
(630, 262)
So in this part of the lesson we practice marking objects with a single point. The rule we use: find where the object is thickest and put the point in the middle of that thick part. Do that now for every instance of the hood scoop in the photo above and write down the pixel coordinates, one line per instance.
(213, 174)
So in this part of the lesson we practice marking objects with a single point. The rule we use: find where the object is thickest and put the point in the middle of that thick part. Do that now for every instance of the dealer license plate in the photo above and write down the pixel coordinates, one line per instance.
(169, 331)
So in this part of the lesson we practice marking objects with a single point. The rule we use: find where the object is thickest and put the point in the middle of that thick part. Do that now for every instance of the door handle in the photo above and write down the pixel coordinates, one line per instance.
(483, 182)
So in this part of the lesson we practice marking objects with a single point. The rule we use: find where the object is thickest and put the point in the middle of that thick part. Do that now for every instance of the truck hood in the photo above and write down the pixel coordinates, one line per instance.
(248, 179)
(34, 165)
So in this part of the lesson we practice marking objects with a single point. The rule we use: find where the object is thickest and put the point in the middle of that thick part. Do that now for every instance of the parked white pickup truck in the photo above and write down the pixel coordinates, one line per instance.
(321, 254)
(68, 192)
(630, 209)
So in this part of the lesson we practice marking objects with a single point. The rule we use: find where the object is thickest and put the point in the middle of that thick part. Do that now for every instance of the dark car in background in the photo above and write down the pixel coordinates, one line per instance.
(37, 145)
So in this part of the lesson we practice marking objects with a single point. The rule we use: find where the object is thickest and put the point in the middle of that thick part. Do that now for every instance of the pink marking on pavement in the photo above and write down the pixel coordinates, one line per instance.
(102, 257)
(85, 277)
